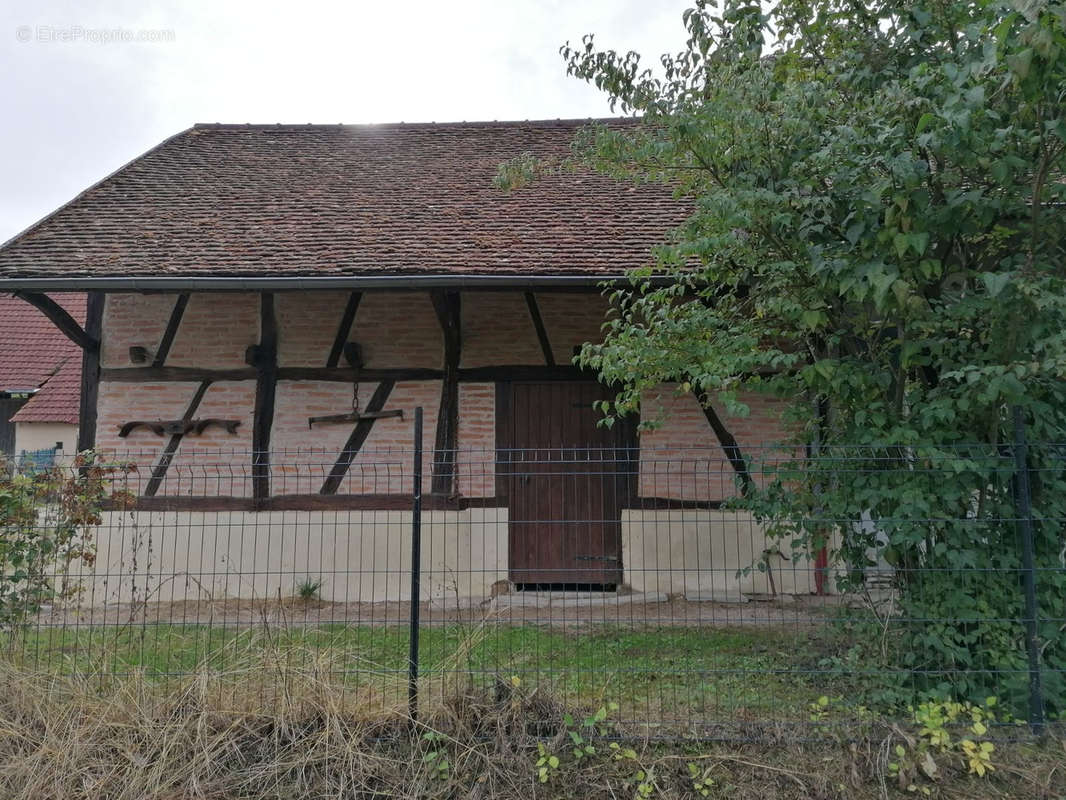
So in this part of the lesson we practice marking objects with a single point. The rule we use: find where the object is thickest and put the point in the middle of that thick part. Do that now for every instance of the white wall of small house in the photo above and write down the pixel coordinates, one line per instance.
(30, 436)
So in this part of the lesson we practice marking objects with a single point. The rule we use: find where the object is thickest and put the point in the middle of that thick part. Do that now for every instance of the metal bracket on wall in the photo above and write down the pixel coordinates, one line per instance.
(171, 427)
(354, 416)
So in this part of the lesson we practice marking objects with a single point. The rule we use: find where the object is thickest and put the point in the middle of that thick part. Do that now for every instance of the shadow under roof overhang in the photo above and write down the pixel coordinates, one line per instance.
(590, 283)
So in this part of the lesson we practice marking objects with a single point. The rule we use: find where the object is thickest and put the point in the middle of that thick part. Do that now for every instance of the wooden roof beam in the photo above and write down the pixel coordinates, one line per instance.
(61, 319)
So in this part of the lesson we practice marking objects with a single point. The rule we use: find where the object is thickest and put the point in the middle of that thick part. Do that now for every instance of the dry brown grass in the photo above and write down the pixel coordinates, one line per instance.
(208, 737)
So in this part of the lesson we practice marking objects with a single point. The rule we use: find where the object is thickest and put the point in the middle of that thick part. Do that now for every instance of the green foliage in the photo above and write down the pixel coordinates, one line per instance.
(547, 763)
(945, 519)
(645, 783)
(45, 516)
(702, 782)
(593, 725)
(820, 708)
(309, 588)
(877, 237)
(582, 737)
(519, 172)
(436, 758)
(945, 729)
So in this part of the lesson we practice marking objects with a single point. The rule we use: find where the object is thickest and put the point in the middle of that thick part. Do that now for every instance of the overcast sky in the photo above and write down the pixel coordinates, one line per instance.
(79, 100)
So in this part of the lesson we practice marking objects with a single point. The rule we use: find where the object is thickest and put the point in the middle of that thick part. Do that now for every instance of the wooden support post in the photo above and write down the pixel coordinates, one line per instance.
(449, 314)
(90, 371)
(265, 361)
(728, 442)
(172, 329)
(159, 471)
(359, 434)
(344, 330)
(542, 332)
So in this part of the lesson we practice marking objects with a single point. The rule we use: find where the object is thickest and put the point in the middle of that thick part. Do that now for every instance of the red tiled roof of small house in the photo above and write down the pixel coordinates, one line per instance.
(35, 355)
(58, 399)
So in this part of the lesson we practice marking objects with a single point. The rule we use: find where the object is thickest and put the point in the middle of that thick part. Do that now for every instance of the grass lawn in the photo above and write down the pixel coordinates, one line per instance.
(671, 674)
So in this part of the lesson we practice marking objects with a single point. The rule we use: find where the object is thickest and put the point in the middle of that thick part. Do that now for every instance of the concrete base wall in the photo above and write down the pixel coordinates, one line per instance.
(362, 556)
(699, 552)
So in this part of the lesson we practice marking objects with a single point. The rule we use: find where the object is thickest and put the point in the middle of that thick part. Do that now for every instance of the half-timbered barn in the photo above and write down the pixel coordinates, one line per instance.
(267, 305)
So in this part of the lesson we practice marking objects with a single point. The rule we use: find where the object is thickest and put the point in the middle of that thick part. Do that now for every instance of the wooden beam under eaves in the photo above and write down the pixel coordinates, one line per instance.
(344, 329)
(62, 319)
(542, 332)
(171, 331)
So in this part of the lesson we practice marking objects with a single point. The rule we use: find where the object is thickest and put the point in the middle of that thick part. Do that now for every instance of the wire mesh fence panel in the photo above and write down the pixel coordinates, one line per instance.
(682, 591)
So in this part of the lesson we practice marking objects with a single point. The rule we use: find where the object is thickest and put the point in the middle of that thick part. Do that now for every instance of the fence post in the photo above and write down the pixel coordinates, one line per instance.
(416, 569)
(1025, 521)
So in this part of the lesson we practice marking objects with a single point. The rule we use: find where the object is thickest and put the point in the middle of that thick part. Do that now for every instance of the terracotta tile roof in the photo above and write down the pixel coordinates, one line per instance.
(58, 399)
(300, 201)
(34, 353)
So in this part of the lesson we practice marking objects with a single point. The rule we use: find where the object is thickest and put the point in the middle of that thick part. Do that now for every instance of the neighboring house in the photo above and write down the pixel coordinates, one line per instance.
(40, 378)
(247, 276)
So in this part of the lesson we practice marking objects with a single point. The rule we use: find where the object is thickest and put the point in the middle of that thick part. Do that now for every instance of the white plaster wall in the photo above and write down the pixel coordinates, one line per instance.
(358, 555)
(44, 435)
(364, 556)
(701, 551)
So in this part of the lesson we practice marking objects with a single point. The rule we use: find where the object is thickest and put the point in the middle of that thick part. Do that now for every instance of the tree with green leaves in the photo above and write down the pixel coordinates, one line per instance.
(877, 237)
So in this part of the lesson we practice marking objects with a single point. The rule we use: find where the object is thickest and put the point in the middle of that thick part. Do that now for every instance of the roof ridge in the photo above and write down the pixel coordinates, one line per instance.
(494, 123)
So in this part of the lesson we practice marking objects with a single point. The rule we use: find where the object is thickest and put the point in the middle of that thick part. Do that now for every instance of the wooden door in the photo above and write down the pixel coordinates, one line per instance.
(567, 480)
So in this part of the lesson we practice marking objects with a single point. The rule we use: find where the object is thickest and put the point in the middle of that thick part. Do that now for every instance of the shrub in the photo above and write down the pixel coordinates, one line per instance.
(46, 516)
